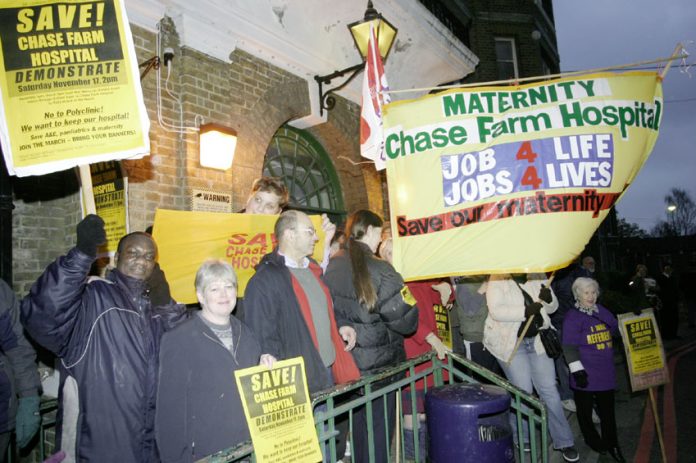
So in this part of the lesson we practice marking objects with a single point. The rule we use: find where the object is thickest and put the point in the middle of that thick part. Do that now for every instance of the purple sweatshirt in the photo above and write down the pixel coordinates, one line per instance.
(592, 336)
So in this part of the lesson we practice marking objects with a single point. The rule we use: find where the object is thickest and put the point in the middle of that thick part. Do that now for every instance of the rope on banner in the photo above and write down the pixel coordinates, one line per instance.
(679, 53)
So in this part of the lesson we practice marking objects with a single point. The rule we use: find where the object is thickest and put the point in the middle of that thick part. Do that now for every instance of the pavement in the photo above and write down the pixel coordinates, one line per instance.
(676, 412)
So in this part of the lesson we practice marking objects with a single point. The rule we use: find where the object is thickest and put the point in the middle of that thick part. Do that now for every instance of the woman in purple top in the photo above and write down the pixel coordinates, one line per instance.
(587, 344)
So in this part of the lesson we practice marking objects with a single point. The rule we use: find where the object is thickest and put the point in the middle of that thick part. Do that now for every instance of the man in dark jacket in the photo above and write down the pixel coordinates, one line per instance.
(19, 378)
(290, 309)
(107, 334)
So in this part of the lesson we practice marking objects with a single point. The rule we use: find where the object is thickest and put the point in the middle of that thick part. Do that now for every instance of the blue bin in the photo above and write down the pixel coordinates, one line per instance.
(468, 422)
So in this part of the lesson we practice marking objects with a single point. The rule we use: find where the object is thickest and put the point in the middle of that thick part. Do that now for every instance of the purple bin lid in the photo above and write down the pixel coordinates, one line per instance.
(482, 398)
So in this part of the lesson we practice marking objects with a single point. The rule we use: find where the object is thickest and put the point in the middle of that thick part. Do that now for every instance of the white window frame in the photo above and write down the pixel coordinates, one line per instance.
(511, 41)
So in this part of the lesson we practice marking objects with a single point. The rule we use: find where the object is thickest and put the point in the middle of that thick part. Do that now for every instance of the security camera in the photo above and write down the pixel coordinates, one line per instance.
(168, 55)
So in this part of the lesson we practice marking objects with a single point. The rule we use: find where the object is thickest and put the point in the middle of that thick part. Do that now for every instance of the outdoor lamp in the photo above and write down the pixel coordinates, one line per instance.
(217, 144)
(385, 32)
(360, 30)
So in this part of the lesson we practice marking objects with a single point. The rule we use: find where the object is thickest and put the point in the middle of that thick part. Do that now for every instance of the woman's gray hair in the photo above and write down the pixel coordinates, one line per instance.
(583, 282)
(212, 270)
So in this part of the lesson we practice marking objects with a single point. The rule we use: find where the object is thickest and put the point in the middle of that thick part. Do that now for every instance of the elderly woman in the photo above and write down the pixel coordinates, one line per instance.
(512, 301)
(199, 411)
(370, 296)
(587, 343)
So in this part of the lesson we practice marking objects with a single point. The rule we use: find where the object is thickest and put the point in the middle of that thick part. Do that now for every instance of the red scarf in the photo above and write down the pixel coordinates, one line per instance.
(344, 368)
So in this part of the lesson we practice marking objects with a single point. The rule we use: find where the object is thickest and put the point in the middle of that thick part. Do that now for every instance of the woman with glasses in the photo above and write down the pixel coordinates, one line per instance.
(370, 296)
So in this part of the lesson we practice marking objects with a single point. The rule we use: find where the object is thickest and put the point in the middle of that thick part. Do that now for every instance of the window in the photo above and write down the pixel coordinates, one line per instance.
(506, 58)
(297, 158)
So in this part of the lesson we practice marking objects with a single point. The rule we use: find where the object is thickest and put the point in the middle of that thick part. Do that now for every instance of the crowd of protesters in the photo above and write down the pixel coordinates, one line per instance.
(143, 379)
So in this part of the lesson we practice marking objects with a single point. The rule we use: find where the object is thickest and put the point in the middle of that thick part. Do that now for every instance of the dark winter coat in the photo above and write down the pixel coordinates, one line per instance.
(562, 287)
(199, 410)
(273, 313)
(18, 374)
(107, 335)
(380, 334)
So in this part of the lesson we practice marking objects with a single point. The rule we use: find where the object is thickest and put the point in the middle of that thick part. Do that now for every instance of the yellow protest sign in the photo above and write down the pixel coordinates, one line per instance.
(110, 190)
(442, 322)
(69, 85)
(644, 350)
(279, 412)
(185, 239)
(513, 179)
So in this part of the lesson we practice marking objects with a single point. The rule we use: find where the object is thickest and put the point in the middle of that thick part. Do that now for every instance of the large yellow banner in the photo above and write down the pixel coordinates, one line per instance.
(513, 179)
(185, 239)
(69, 85)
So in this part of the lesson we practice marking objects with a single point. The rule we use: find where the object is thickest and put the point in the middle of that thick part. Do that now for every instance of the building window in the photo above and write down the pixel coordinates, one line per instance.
(506, 58)
(306, 169)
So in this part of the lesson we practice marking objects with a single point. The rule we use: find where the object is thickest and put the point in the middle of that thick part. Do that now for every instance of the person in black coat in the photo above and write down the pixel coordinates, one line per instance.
(370, 296)
(199, 410)
(106, 332)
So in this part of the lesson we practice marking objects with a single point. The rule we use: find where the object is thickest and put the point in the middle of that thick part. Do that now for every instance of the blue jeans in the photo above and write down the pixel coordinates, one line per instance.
(530, 371)
(563, 373)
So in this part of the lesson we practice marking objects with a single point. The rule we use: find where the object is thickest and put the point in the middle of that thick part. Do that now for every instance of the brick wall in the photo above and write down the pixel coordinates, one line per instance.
(515, 19)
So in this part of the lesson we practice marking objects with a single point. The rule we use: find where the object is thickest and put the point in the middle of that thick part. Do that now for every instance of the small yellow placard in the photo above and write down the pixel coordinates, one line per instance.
(279, 412)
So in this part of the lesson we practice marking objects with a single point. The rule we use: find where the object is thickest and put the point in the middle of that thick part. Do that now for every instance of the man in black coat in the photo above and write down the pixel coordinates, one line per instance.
(669, 295)
(106, 331)
(289, 307)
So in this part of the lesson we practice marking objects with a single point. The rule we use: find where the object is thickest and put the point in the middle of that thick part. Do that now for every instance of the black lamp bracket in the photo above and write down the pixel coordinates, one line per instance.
(152, 63)
(327, 101)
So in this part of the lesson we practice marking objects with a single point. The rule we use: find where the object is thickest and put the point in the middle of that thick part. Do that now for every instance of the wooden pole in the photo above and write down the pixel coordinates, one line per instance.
(397, 396)
(658, 426)
(675, 55)
(87, 193)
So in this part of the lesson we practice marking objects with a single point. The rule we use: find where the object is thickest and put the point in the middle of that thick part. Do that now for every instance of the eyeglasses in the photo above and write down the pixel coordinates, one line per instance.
(311, 231)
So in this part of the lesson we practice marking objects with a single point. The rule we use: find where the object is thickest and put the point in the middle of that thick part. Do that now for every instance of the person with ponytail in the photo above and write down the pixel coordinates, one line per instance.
(370, 296)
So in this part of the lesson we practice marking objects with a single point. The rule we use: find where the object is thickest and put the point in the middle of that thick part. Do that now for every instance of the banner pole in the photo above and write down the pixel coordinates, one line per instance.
(675, 54)
(87, 192)
(397, 397)
(653, 403)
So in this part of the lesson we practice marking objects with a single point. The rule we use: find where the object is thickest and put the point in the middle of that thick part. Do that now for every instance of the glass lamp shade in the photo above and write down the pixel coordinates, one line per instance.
(217, 144)
(386, 33)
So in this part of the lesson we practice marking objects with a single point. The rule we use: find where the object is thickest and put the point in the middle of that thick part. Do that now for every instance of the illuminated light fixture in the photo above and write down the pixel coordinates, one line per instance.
(217, 144)
(360, 30)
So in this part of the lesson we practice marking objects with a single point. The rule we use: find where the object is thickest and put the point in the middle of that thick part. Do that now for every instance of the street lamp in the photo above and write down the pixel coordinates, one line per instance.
(671, 208)
(360, 30)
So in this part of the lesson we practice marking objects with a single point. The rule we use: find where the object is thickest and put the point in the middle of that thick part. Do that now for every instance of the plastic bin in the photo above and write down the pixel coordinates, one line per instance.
(468, 422)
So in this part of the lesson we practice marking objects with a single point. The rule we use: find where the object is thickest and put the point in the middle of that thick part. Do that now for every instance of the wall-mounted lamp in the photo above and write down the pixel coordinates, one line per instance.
(217, 144)
(360, 30)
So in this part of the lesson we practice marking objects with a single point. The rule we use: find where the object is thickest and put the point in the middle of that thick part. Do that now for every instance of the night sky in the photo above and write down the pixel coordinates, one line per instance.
(594, 34)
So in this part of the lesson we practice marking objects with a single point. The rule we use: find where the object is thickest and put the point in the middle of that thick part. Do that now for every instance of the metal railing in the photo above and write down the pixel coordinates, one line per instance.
(342, 402)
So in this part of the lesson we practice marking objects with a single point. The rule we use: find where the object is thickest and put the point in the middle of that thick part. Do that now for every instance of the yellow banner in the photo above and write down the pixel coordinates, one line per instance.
(513, 179)
(644, 350)
(279, 413)
(69, 84)
(110, 190)
(185, 239)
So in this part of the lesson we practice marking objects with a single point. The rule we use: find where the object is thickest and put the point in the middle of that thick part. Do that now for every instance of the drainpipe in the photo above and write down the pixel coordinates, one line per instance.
(6, 207)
